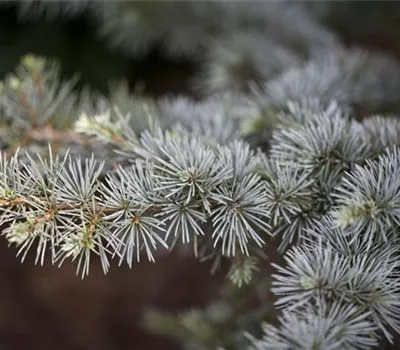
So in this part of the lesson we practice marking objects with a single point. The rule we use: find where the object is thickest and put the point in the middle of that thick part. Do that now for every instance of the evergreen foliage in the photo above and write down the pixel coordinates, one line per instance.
(275, 158)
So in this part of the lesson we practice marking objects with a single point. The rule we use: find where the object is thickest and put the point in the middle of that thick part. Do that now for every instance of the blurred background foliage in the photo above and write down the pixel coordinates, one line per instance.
(74, 42)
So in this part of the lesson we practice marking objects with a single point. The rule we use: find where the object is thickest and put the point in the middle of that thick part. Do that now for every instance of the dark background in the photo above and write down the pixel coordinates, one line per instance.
(50, 308)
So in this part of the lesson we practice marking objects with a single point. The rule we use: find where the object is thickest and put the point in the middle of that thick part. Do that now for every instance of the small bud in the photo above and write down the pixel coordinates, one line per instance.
(308, 282)
(75, 243)
(19, 233)
(33, 63)
(14, 82)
